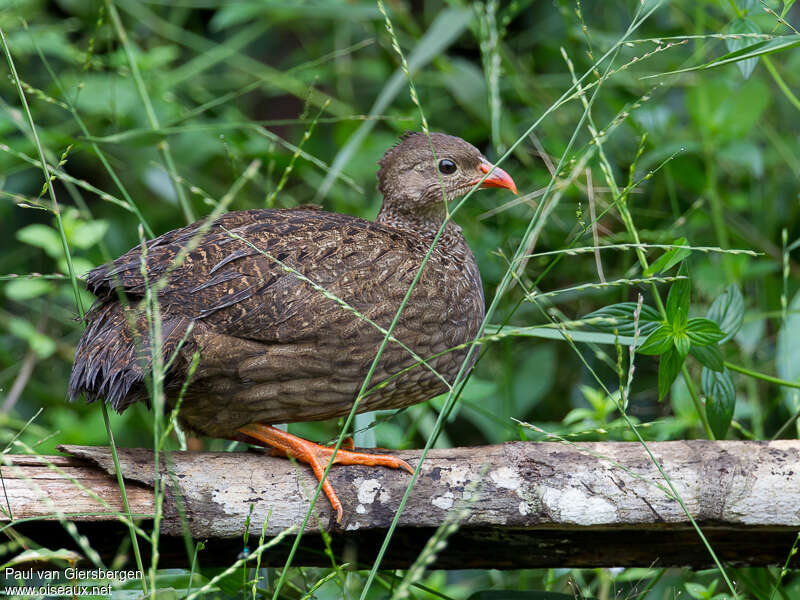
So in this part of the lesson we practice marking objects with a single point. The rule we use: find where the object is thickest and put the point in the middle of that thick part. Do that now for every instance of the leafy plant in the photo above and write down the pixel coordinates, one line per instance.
(676, 336)
(169, 112)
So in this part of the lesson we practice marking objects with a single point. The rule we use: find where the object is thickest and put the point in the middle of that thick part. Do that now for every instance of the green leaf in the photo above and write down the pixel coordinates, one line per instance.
(734, 44)
(720, 400)
(620, 319)
(42, 345)
(238, 13)
(551, 333)
(25, 289)
(43, 237)
(536, 374)
(678, 301)
(668, 368)
(709, 356)
(80, 266)
(777, 44)
(669, 259)
(698, 591)
(727, 311)
(728, 112)
(42, 555)
(704, 332)
(751, 336)
(657, 342)
(86, 235)
(787, 353)
(466, 82)
(743, 156)
(682, 344)
(446, 28)
(475, 391)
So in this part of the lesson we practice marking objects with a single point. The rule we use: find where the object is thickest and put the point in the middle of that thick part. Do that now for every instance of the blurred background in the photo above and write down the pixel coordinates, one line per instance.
(277, 104)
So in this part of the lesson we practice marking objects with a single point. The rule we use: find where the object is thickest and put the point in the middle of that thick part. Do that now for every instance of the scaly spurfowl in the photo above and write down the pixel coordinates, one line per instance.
(246, 293)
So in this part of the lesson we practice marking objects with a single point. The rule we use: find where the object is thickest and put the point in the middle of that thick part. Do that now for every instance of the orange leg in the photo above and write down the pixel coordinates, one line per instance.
(318, 456)
(347, 444)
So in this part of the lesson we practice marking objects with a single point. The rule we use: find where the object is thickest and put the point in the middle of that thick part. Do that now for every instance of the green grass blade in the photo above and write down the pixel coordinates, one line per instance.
(779, 44)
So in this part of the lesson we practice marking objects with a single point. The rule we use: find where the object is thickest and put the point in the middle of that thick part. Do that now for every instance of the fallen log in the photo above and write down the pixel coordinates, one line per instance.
(516, 505)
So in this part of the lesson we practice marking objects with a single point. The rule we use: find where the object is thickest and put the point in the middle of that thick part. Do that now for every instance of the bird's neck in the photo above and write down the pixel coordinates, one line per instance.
(424, 223)
(451, 243)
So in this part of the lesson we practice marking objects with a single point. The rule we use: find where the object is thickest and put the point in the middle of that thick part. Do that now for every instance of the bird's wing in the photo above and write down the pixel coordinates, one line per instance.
(270, 275)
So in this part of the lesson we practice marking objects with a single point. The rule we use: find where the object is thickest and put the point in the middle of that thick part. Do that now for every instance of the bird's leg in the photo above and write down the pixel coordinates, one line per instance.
(317, 456)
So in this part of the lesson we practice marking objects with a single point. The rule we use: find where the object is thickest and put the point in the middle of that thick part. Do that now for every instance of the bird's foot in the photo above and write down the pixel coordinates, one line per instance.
(347, 444)
(318, 456)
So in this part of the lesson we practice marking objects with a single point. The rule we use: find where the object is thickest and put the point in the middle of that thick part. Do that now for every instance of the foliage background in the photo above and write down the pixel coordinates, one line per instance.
(232, 83)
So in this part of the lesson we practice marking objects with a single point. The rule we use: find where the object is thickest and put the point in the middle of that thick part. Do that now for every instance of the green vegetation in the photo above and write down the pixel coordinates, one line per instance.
(656, 147)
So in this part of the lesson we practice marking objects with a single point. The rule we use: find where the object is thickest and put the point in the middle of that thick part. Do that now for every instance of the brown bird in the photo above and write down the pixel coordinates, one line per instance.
(287, 309)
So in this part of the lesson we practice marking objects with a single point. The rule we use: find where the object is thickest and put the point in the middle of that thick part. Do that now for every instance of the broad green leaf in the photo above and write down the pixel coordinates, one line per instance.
(727, 311)
(43, 237)
(535, 375)
(668, 368)
(25, 289)
(678, 300)
(697, 591)
(751, 336)
(94, 99)
(42, 345)
(655, 119)
(725, 111)
(578, 414)
(682, 344)
(776, 44)
(476, 391)
(720, 400)
(787, 354)
(467, 83)
(620, 319)
(669, 259)
(701, 592)
(742, 157)
(86, 235)
(80, 266)
(658, 342)
(739, 26)
(703, 332)
(709, 356)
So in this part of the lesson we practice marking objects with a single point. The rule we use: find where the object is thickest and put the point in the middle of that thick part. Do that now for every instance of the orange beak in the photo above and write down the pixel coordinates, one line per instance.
(497, 178)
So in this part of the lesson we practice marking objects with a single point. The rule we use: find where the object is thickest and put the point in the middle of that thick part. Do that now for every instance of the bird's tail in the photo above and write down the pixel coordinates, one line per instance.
(113, 355)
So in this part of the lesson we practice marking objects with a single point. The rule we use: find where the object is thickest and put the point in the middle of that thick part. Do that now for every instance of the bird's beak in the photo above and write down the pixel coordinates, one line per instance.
(497, 177)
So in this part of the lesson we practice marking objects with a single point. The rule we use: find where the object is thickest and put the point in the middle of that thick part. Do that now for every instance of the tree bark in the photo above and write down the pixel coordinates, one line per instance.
(516, 505)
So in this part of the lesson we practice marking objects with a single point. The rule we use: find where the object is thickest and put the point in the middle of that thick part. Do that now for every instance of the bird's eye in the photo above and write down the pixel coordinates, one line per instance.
(447, 166)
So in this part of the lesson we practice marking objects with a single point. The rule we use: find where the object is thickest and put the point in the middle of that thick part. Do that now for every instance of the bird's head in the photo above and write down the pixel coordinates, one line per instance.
(419, 173)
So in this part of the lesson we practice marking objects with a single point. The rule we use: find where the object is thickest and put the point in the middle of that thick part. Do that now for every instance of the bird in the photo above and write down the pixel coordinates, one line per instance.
(272, 316)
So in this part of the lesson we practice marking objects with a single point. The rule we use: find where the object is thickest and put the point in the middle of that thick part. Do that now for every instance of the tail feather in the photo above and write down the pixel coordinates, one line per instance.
(113, 356)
